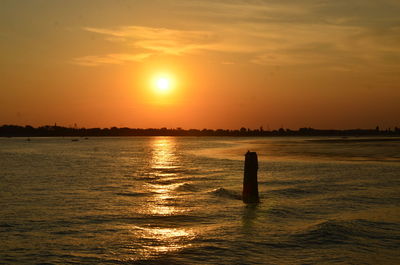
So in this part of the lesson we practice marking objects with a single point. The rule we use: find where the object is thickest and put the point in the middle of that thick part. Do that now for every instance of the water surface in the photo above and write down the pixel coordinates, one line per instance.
(166, 200)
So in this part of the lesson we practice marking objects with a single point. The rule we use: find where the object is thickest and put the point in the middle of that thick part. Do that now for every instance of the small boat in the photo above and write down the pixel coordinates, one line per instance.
(74, 140)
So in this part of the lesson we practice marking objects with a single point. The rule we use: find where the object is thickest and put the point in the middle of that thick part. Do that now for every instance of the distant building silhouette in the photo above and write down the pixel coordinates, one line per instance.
(29, 131)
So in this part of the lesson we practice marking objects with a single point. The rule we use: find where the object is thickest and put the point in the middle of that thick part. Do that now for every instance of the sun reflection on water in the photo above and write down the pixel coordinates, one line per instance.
(163, 240)
(165, 169)
(164, 154)
(164, 165)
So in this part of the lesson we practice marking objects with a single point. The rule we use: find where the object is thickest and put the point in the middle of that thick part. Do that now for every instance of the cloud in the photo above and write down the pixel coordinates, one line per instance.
(164, 40)
(149, 39)
(291, 32)
(337, 34)
(114, 58)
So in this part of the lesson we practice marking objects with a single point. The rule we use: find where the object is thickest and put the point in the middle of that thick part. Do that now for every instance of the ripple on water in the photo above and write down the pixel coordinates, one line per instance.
(187, 187)
(133, 194)
(153, 203)
(353, 232)
(225, 193)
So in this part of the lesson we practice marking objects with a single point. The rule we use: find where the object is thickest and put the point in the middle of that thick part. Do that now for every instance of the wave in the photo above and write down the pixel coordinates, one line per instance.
(186, 187)
(168, 180)
(171, 170)
(283, 182)
(294, 192)
(176, 220)
(354, 140)
(284, 212)
(132, 194)
(224, 193)
(358, 202)
(5, 225)
(353, 232)
(160, 261)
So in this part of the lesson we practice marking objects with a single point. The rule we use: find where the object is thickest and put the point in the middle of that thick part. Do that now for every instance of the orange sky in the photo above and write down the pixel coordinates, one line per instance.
(323, 64)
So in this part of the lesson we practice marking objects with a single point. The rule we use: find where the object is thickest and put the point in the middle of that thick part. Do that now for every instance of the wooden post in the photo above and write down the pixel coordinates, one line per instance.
(250, 183)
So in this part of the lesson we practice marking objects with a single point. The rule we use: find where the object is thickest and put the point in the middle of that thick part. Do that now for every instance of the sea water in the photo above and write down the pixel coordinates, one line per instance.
(167, 200)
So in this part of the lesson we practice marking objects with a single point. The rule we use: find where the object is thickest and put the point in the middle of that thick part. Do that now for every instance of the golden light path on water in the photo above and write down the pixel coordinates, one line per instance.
(164, 164)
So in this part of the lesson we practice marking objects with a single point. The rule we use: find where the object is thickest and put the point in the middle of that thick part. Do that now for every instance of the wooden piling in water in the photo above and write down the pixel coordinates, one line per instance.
(250, 183)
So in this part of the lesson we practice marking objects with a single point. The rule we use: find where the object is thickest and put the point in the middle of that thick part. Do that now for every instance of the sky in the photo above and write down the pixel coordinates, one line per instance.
(229, 64)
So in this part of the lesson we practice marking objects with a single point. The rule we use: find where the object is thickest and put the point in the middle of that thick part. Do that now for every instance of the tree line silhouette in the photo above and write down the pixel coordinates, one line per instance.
(47, 131)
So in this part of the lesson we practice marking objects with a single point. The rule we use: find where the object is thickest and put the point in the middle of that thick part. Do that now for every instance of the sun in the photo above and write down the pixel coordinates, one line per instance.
(163, 83)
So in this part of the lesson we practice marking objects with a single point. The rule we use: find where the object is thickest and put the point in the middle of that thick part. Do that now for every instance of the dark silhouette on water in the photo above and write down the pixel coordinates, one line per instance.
(29, 131)
(250, 182)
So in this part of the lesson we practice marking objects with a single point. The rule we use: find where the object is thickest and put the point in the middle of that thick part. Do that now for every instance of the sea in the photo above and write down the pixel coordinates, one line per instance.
(177, 200)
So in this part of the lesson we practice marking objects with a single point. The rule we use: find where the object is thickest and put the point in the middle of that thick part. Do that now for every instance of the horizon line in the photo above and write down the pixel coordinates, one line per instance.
(261, 128)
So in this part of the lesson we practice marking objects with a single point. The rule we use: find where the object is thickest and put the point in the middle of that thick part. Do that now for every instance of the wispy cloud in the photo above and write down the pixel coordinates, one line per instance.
(275, 33)
(151, 40)
(348, 34)
(165, 40)
(114, 58)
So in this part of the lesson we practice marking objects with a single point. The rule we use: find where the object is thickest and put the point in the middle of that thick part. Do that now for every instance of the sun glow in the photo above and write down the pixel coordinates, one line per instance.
(163, 84)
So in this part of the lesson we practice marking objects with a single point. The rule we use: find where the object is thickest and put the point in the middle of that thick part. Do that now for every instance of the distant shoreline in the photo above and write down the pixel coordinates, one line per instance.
(59, 131)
